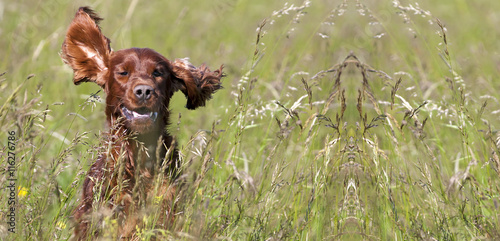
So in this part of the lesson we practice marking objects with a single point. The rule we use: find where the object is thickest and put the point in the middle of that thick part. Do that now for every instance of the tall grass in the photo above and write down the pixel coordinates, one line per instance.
(339, 120)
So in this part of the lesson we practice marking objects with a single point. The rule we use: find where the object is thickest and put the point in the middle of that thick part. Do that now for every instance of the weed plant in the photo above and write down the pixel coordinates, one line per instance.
(339, 120)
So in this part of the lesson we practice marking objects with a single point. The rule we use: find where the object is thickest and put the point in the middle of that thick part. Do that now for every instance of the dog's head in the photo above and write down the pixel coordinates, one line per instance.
(138, 82)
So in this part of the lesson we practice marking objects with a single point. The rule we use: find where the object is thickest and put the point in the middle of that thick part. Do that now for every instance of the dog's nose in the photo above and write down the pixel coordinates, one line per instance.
(143, 92)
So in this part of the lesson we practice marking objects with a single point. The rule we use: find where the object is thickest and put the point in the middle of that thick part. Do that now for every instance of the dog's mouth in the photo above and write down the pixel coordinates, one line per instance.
(140, 115)
(141, 120)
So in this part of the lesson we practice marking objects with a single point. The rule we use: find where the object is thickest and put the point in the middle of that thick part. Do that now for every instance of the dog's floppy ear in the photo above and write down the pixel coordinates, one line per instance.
(86, 49)
(197, 84)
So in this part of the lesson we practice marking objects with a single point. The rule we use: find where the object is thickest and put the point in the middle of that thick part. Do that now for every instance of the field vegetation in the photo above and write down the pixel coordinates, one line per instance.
(339, 120)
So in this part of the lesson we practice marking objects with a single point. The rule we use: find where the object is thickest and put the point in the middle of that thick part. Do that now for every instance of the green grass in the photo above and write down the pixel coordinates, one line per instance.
(297, 146)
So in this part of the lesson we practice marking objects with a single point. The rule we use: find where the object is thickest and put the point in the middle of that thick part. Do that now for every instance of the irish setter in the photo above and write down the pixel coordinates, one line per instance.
(138, 83)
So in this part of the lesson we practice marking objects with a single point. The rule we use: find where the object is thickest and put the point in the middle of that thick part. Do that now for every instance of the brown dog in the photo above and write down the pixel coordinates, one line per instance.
(138, 83)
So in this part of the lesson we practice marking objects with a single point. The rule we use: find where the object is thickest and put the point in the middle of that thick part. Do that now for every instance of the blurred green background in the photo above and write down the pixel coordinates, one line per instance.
(269, 177)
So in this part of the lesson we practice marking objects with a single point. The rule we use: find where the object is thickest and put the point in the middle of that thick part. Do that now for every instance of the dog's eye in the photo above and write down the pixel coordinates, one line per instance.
(124, 73)
(157, 73)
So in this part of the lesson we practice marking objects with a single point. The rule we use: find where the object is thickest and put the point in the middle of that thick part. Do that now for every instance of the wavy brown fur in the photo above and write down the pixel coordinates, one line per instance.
(139, 84)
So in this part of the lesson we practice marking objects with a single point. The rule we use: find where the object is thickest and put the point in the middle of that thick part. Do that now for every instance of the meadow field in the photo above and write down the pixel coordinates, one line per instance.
(339, 120)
